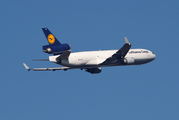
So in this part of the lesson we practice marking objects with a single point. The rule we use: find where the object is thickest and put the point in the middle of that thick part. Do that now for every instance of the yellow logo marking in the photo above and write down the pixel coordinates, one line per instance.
(51, 39)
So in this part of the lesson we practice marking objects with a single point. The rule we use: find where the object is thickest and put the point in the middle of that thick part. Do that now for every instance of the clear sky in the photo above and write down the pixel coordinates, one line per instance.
(146, 92)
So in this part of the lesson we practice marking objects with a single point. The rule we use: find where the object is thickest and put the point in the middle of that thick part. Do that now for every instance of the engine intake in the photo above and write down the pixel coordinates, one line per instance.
(128, 61)
(94, 70)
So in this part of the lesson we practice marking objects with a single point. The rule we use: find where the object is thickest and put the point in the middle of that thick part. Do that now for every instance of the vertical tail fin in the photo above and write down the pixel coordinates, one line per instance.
(54, 47)
(52, 40)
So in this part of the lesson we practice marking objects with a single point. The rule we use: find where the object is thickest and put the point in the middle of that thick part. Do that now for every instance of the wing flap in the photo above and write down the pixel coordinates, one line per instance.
(47, 69)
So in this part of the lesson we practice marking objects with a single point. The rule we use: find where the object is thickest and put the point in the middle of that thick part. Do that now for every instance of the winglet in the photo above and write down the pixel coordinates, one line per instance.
(26, 67)
(126, 40)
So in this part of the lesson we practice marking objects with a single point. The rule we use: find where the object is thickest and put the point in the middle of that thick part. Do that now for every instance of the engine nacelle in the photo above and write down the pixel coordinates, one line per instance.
(128, 60)
(94, 70)
(56, 49)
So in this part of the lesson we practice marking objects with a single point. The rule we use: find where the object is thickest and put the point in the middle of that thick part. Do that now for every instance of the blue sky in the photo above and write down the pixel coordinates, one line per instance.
(147, 92)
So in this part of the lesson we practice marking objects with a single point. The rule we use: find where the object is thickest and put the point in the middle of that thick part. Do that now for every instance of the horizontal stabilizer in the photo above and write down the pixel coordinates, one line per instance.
(40, 60)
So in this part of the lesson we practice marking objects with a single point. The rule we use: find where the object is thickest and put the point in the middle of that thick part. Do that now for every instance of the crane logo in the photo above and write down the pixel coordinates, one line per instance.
(51, 39)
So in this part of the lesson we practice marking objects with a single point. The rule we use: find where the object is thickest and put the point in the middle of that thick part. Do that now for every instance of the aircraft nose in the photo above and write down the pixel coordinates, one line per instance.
(153, 56)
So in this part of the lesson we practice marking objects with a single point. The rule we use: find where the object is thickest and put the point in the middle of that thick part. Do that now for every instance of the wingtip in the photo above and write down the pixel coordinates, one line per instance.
(26, 67)
(126, 40)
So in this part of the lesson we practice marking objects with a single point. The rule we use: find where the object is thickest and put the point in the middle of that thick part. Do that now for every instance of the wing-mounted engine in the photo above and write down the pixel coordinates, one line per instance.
(128, 61)
(94, 70)
(56, 49)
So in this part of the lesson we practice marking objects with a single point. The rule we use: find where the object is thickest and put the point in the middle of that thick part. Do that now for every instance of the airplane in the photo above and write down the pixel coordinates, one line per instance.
(91, 61)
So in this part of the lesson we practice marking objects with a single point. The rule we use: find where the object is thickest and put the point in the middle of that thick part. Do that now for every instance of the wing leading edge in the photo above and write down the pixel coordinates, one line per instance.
(120, 54)
(47, 69)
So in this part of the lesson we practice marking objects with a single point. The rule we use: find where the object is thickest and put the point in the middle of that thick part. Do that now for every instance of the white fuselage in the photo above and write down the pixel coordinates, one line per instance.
(95, 58)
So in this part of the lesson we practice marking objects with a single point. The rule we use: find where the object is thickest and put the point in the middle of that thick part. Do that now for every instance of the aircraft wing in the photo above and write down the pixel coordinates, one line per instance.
(65, 55)
(120, 54)
(47, 69)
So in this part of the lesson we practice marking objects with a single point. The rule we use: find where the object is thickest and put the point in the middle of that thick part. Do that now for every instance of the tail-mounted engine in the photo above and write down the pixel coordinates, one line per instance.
(56, 49)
